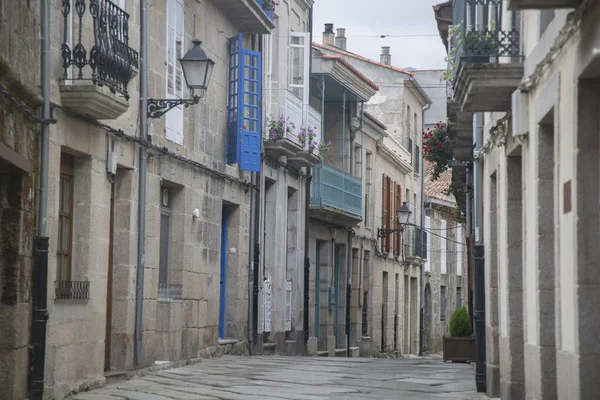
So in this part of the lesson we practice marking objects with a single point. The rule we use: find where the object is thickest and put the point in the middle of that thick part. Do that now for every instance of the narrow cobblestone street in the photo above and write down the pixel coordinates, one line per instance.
(270, 378)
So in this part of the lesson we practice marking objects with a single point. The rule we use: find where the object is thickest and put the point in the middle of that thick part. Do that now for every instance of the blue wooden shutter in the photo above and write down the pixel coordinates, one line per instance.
(244, 111)
(250, 113)
(232, 101)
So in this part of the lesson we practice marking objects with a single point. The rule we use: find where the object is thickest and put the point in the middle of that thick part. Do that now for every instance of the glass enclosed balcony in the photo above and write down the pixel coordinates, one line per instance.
(335, 196)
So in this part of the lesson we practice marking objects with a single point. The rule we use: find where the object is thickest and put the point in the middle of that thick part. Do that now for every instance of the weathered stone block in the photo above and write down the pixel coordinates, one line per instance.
(163, 315)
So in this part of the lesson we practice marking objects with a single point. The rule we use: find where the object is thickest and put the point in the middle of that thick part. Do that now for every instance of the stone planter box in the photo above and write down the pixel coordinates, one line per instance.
(281, 147)
(459, 348)
(303, 159)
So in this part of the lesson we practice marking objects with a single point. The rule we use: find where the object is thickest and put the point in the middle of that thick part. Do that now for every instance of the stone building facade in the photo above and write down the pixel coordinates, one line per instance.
(198, 198)
(286, 164)
(392, 302)
(19, 178)
(535, 222)
(446, 269)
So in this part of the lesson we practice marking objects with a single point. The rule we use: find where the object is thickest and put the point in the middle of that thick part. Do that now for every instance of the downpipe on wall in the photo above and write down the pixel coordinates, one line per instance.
(255, 261)
(306, 304)
(479, 260)
(141, 259)
(422, 308)
(39, 315)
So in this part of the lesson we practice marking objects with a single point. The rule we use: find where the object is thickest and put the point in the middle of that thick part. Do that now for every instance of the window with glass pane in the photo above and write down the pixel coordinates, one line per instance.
(299, 65)
(165, 236)
(174, 74)
(458, 297)
(65, 219)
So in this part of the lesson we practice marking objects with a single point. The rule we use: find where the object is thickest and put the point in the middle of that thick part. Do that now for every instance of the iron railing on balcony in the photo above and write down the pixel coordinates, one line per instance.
(415, 242)
(167, 291)
(96, 44)
(478, 34)
(72, 290)
(268, 7)
(333, 188)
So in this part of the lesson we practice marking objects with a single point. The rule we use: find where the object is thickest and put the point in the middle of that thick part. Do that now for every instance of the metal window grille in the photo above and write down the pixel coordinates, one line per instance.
(72, 290)
(170, 291)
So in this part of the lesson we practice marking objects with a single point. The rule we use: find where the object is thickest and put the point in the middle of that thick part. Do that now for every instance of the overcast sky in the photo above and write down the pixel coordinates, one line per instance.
(385, 17)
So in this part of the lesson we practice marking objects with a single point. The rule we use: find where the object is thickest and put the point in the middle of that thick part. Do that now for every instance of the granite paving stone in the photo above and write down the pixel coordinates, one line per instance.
(300, 378)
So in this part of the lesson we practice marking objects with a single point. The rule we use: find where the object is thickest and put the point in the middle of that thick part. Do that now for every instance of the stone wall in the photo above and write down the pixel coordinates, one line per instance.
(20, 77)
(436, 324)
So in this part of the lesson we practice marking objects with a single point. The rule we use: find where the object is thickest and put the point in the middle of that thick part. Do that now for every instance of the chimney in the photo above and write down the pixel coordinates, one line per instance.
(328, 35)
(386, 57)
(340, 39)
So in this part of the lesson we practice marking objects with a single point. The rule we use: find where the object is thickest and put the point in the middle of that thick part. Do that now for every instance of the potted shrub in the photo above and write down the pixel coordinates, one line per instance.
(460, 346)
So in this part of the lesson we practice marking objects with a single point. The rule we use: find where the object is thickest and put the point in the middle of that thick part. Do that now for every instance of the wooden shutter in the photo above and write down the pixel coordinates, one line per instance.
(385, 215)
(398, 238)
(391, 239)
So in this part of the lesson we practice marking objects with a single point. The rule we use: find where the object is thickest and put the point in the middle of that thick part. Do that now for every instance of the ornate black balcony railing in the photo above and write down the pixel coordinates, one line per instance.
(170, 291)
(99, 40)
(72, 290)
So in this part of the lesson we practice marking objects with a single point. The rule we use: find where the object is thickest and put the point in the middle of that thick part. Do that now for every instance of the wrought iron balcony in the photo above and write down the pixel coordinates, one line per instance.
(96, 45)
(415, 244)
(335, 196)
(167, 291)
(72, 290)
(485, 61)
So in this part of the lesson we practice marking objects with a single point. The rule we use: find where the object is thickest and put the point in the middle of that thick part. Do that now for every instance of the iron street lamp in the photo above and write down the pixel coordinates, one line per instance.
(197, 70)
(403, 214)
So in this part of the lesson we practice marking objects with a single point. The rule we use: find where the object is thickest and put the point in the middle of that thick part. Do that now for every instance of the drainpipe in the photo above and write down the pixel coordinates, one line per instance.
(422, 310)
(479, 260)
(141, 259)
(306, 304)
(40, 273)
(469, 236)
(350, 235)
(254, 263)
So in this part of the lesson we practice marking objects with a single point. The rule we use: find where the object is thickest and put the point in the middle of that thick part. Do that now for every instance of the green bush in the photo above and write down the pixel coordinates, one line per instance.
(460, 323)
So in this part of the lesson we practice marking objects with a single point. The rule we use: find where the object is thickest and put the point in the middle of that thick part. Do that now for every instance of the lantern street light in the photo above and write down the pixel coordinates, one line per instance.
(197, 70)
(403, 214)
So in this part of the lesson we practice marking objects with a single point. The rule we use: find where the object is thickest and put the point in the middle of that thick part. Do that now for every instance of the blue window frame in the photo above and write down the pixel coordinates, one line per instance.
(243, 109)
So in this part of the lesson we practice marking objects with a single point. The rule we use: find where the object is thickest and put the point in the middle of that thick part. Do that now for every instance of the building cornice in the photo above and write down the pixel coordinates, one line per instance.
(392, 157)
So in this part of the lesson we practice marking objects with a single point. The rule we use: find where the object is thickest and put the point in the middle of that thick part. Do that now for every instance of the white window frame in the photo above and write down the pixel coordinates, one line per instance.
(174, 118)
(306, 78)
(443, 247)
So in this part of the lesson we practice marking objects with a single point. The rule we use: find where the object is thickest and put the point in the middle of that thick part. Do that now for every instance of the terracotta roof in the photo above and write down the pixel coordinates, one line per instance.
(375, 120)
(354, 55)
(353, 69)
(437, 189)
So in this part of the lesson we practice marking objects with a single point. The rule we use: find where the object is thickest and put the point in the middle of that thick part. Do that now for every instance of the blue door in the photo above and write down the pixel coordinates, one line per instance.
(223, 273)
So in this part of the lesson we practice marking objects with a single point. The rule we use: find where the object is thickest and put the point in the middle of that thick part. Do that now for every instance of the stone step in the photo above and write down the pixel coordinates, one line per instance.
(269, 349)
(113, 377)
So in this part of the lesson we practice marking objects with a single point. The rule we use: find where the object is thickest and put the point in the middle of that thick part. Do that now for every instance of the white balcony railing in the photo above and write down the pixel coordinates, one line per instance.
(287, 105)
